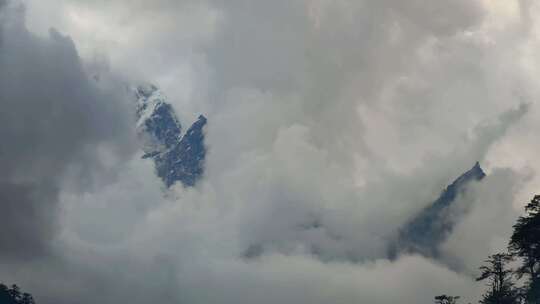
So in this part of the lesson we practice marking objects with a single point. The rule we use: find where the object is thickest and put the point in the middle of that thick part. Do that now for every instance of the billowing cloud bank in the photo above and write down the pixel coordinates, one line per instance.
(54, 121)
(331, 123)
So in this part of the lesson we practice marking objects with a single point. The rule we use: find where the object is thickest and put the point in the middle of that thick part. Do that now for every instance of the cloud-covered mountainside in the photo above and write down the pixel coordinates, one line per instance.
(423, 233)
(333, 127)
(180, 157)
(427, 230)
(177, 157)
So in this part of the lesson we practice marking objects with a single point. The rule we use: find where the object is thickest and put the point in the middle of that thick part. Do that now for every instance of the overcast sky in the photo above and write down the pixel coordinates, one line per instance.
(353, 114)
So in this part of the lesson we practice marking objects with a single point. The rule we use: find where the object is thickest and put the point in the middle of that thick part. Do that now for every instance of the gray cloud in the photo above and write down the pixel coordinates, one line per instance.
(330, 124)
(53, 118)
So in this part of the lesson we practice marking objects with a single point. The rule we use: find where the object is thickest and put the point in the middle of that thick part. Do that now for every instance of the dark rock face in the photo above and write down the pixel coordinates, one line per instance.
(177, 157)
(427, 230)
(185, 161)
(164, 125)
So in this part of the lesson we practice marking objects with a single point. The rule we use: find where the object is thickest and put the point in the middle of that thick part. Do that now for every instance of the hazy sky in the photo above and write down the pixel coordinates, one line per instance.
(352, 114)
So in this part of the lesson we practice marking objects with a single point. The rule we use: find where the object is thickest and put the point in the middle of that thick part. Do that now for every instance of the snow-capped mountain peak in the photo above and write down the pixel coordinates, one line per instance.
(177, 157)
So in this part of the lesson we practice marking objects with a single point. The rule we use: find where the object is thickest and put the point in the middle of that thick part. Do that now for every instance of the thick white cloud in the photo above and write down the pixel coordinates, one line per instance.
(331, 123)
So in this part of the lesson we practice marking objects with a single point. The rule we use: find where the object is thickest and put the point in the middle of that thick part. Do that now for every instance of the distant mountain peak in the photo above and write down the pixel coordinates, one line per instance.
(475, 173)
(177, 156)
(185, 162)
(428, 229)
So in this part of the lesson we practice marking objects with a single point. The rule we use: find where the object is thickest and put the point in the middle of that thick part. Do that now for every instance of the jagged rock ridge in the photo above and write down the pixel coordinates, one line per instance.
(427, 230)
(177, 157)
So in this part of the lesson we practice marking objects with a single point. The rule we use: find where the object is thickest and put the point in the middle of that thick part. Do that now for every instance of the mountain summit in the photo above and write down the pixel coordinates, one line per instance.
(177, 157)
(428, 229)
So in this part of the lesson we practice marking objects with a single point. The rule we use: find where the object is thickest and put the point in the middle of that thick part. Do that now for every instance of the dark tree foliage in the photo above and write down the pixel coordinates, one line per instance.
(525, 244)
(445, 299)
(499, 276)
(13, 295)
